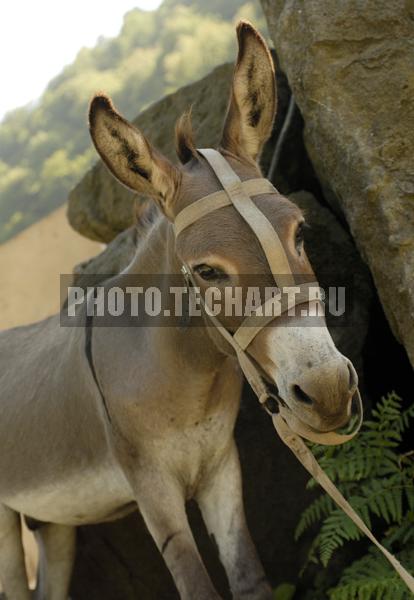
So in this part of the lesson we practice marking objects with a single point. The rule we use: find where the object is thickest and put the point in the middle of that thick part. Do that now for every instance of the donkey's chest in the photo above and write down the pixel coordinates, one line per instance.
(193, 451)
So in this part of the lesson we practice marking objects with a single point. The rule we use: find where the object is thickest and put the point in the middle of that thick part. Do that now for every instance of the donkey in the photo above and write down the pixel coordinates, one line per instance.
(164, 432)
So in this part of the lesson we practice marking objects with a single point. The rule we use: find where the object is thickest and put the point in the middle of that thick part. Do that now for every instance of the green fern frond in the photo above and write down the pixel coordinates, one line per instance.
(338, 528)
(378, 482)
(317, 510)
(372, 578)
(403, 533)
(384, 498)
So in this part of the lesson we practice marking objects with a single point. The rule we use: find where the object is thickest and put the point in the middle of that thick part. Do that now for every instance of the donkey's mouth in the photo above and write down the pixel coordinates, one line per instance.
(325, 423)
(341, 422)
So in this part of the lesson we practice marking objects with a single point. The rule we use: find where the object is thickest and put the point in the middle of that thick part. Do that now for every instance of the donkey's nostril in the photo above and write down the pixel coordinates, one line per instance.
(301, 395)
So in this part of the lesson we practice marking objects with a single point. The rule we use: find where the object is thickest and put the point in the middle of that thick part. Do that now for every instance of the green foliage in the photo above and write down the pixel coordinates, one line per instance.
(378, 481)
(284, 591)
(372, 577)
(45, 147)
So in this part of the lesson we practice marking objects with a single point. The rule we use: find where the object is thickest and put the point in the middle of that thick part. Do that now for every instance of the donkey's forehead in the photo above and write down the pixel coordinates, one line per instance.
(223, 229)
(224, 232)
(199, 180)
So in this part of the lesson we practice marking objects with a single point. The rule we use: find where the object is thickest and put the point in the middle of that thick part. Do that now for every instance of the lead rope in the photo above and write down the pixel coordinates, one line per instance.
(305, 456)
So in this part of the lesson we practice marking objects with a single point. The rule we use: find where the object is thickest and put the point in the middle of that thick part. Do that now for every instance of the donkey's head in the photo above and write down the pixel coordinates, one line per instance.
(312, 377)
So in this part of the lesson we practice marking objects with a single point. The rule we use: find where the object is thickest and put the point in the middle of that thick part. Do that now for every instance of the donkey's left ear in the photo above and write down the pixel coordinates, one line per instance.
(129, 155)
(252, 104)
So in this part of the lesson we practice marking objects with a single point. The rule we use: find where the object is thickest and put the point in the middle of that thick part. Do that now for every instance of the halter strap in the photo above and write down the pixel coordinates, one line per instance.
(259, 223)
(255, 379)
(264, 314)
(193, 212)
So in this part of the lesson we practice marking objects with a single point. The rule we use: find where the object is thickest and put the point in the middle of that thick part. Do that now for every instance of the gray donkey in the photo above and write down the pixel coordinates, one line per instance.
(95, 421)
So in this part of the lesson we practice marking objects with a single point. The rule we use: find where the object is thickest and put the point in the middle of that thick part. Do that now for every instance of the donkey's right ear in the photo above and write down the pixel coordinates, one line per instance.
(129, 156)
(253, 96)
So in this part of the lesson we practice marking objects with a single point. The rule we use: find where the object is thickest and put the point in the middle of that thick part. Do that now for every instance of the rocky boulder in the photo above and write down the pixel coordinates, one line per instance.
(350, 67)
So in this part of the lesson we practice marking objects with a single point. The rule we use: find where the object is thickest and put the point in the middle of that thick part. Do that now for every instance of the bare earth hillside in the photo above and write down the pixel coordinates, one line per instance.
(30, 265)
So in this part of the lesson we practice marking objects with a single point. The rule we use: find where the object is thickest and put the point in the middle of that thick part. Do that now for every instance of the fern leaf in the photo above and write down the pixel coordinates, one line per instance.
(371, 578)
(317, 510)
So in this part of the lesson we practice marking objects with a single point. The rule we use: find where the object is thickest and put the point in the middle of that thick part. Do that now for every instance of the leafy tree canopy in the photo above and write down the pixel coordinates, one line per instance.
(45, 148)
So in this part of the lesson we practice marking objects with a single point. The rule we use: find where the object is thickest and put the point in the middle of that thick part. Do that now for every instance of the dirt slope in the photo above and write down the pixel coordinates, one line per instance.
(30, 265)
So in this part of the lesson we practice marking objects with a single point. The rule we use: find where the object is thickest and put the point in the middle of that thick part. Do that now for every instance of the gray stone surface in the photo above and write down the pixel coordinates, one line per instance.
(350, 66)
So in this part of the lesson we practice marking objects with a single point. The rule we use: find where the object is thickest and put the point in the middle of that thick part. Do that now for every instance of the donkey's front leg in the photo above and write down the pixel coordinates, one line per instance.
(12, 571)
(221, 503)
(161, 501)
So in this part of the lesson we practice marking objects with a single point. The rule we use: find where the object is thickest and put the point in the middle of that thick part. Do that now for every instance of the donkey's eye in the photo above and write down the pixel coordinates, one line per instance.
(210, 273)
(299, 236)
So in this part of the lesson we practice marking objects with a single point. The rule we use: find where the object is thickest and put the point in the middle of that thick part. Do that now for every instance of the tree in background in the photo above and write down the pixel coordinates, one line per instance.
(45, 149)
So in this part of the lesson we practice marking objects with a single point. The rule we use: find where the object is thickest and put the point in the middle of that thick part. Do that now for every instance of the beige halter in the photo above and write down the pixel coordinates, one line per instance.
(290, 429)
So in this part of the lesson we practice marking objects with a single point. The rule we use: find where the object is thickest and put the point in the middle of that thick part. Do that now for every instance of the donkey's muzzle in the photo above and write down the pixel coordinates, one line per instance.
(323, 394)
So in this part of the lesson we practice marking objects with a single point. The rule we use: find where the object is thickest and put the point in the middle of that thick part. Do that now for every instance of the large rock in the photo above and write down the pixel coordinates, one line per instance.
(100, 207)
(350, 66)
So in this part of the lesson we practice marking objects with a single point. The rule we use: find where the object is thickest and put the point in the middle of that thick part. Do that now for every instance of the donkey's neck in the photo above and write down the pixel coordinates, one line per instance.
(156, 256)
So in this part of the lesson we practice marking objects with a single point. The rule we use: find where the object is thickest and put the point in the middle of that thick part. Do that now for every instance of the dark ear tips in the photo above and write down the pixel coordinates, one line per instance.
(243, 27)
(246, 30)
(100, 102)
(184, 143)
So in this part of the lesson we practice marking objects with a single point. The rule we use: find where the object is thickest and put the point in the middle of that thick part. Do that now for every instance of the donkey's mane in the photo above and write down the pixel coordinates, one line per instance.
(185, 149)
(146, 218)
(184, 138)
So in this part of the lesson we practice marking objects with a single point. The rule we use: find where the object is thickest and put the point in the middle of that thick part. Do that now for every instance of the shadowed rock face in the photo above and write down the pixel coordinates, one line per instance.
(100, 207)
(336, 262)
(350, 66)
